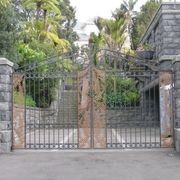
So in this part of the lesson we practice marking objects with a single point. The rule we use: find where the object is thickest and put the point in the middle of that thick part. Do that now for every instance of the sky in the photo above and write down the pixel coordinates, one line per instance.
(89, 9)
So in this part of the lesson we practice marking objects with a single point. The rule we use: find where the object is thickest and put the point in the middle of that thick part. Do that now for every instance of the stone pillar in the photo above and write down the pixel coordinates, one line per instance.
(176, 67)
(6, 70)
(166, 107)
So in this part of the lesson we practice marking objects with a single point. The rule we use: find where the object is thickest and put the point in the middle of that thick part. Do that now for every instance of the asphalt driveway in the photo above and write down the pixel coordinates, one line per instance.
(161, 164)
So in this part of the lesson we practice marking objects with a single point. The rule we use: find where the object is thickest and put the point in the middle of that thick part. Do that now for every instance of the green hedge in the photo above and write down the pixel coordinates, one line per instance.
(121, 92)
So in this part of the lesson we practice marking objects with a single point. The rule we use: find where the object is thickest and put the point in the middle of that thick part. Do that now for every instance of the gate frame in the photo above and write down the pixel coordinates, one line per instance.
(6, 129)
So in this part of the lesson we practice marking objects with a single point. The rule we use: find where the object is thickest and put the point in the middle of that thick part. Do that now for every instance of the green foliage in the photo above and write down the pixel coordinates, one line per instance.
(67, 23)
(4, 3)
(32, 33)
(121, 92)
(29, 56)
(142, 20)
(8, 25)
(111, 35)
(19, 99)
(30, 102)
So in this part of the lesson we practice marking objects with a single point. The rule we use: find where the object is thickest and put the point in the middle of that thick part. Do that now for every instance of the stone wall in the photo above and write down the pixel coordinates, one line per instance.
(133, 117)
(164, 31)
(5, 105)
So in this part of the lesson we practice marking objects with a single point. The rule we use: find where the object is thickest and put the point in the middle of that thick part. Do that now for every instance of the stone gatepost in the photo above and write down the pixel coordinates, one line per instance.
(165, 101)
(176, 67)
(6, 70)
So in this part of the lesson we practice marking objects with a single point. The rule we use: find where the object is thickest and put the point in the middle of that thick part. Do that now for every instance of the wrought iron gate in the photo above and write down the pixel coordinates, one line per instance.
(108, 101)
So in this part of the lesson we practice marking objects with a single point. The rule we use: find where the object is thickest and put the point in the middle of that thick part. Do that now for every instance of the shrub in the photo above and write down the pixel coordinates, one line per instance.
(18, 98)
(121, 92)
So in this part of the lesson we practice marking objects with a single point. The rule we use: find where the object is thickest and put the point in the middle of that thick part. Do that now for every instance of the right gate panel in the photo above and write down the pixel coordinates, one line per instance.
(132, 112)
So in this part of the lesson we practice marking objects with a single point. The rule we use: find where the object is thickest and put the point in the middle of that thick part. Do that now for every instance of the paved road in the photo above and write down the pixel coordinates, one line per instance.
(161, 164)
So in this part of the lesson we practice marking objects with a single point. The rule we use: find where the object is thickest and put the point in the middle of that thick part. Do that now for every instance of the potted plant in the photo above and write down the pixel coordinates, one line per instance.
(145, 51)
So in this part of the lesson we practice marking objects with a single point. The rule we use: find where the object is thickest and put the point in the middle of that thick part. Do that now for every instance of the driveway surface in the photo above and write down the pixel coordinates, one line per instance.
(161, 164)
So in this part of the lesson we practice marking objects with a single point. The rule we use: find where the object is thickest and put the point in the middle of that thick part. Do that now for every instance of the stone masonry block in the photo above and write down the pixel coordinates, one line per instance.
(177, 112)
(177, 145)
(5, 115)
(177, 84)
(171, 28)
(6, 79)
(177, 134)
(168, 16)
(166, 51)
(5, 106)
(5, 125)
(177, 102)
(5, 87)
(177, 16)
(5, 70)
(5, 147)
(5, 97)
(169, 22)
(6, 136)
(171, 34)
(1, 137)
(168, 40)
(177, 75)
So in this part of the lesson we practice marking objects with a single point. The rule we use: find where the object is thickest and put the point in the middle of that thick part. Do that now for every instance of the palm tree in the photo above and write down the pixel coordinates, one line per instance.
(126, 10)
(47, 18)
(44, 6)
(112, 31)
(4, 3)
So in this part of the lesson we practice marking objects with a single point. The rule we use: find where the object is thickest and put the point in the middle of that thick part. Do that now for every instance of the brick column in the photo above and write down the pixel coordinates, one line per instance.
(166, 107)
(176, 67)
(6, 69)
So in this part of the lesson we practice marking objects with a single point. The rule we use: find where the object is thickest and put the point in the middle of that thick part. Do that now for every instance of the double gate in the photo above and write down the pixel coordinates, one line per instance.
(108, 100)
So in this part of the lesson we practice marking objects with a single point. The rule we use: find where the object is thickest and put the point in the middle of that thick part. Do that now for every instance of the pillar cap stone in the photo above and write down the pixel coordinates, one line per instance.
(4, 61)
(176, 59)
(167, 58)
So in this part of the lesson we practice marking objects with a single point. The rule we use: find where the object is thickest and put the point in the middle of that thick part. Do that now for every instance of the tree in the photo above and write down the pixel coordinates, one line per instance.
(112, 32)
(141, 21)
(42, 7)
(4, 3)
(67, 22)
(8, 29)
(45, 26)
(126, 10)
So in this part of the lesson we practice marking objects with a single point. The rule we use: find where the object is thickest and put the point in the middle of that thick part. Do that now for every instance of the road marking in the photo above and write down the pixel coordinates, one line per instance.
(118, 137)
(68, 136)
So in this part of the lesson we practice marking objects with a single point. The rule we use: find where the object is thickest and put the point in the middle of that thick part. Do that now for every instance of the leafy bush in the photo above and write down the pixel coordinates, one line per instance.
(121, 92)
(18, 98)
(30, 102)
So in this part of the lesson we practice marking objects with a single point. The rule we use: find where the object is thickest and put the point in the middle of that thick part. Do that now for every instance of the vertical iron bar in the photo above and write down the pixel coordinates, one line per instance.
(25, 114)
(63, 108)
(33, 96)
(91, 92)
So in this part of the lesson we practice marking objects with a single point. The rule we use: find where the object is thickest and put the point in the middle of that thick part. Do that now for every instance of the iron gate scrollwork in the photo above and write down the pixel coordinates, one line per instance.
(108, 101)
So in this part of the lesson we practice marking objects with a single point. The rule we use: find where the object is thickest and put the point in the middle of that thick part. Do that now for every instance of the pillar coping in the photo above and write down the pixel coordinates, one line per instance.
(167, 58)
(176, 59)
(4, 61)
